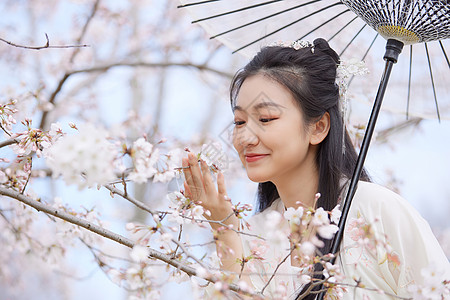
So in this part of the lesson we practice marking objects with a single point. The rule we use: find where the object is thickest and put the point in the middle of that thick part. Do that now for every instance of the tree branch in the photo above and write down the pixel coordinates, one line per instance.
(106, 67)
(383, 135)
(275, 271)
(124, 195)
(8, 142)
(84, 30)
(200, 67)
(39, 206)
(46, 46)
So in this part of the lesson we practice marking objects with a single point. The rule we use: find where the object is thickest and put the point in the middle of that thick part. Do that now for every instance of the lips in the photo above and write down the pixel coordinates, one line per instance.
(252, 157)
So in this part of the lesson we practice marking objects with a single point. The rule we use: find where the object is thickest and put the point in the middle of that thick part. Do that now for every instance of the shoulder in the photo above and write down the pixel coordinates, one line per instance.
(375, 202)
(375, 196)
(369, 190)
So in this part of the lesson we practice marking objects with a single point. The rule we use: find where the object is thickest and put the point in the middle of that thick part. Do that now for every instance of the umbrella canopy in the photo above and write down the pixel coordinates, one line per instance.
(356, 29)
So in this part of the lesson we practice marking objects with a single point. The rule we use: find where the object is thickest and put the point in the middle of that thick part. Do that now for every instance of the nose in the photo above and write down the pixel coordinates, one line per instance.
(245, 136)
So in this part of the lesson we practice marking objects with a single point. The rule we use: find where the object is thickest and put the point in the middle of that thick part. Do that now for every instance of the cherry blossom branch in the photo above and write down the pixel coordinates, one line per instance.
(84, 30)
(200, 67)
(383, 135)
(221, 222)
(188, 254)
(276, 269)
(179, 239)
(8, 142)
(39, 206)
(310, 291)
(372, 290)
(104, 68)
(46, 46)
(136, 202)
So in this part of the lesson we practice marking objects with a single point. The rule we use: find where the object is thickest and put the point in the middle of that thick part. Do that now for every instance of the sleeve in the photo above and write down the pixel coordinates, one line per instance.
(406, 246)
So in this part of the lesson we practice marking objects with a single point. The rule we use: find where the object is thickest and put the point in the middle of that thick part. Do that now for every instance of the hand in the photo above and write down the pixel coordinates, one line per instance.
(199, 187)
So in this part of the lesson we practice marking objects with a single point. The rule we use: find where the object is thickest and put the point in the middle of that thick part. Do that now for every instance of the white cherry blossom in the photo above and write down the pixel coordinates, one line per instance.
(294, 215)
(85, 158)
(139, 253)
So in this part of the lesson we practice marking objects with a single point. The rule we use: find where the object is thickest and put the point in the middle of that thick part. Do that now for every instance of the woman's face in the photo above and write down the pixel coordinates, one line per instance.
(269, 133)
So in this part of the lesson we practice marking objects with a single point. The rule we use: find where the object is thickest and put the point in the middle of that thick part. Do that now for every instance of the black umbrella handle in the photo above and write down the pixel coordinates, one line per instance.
(393, 49)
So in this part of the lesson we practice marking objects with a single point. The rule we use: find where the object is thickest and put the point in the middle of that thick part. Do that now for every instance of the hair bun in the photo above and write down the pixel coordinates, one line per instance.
(323, 46)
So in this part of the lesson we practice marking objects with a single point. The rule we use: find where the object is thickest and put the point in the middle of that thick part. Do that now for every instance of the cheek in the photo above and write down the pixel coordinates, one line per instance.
(238, 147)
(236, 141)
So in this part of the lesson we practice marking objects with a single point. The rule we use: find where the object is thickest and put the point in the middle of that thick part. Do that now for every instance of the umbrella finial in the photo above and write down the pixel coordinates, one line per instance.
(393, 50)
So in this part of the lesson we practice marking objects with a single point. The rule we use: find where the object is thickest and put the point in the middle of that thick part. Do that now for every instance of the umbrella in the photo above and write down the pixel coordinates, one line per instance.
(246, 25)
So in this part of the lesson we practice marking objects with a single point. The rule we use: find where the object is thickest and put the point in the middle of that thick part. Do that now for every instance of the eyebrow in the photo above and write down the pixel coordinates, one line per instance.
(259, 106)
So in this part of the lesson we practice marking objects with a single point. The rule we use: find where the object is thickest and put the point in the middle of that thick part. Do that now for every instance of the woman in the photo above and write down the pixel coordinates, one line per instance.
(290, 137)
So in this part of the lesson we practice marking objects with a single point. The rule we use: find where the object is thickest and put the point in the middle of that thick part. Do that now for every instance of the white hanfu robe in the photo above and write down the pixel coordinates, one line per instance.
(393, 221)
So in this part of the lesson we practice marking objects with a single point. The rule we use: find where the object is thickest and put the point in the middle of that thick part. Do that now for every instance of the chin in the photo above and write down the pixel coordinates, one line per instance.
(257, 178)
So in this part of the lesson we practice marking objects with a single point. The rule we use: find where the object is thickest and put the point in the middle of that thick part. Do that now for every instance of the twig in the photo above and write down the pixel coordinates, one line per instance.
(200, 67)
(374, 290)
(29, 176)
(309, 289)
(224, 225)
(52, 99)
(136, 202)
(276, 269)
(93, 249)
(84, 30)
(6, 131)
(179, 239)
(46, 46)
(383, 135)
(8, 142)
(188, 254)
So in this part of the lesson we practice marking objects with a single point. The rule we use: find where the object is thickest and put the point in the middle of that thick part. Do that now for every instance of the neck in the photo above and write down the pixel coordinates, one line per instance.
(301, 185)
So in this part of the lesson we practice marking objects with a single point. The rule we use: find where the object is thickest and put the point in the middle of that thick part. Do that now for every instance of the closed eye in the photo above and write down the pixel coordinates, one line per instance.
(266, 120)
(237, 123)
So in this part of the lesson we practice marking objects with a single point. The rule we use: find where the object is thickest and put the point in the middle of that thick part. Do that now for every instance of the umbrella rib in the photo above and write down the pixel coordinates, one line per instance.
(343, 27)
(196, 3)
(371, 44)
(264, 18)
(237, 10)
(328, 21)
(290, 24)
(353, 38)
(365, 54)
(409, 80)
(432, 83)
(445, 53)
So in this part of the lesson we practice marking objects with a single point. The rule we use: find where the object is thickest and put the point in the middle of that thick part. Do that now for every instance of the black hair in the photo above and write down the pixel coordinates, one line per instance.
(309, 73)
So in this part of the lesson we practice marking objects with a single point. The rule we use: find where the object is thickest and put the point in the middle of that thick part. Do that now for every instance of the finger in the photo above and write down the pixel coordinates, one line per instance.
(207, 178)
(197, 177)
(187, 190)
(221, 186)
(187, 171)
(189, 179)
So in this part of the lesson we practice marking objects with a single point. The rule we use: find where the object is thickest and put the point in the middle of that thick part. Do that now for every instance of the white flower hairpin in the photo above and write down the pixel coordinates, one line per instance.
(299, 44)
(345, 71)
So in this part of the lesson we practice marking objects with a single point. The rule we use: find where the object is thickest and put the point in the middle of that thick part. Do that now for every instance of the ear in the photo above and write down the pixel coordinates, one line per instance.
(320, 129)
